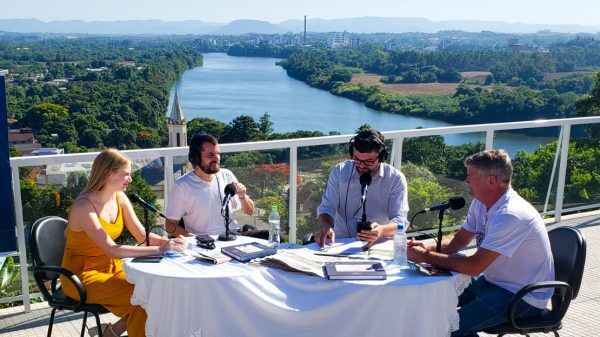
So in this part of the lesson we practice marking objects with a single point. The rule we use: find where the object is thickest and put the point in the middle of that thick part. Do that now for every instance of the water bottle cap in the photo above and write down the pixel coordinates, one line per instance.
(400, 226)
(274, 208)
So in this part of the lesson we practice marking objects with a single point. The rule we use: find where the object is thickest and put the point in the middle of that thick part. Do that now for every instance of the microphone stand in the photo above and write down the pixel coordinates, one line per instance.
(227, 236)
(147, 227)
(363, 224)
(438, 247)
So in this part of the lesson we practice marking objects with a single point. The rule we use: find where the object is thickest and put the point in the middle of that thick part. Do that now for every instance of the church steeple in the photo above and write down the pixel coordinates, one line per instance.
(177, 125)
(176, 112)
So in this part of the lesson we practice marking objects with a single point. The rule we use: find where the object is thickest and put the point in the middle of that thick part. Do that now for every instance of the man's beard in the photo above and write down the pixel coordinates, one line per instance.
(368, 170)
(208, 169)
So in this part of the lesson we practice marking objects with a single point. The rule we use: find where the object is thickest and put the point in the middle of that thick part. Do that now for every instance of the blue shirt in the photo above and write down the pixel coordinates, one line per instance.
(387, 198)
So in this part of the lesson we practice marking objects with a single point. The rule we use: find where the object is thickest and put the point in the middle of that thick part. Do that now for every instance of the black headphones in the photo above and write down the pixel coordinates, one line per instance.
(194, 154)
(196, 145)
(373, 137)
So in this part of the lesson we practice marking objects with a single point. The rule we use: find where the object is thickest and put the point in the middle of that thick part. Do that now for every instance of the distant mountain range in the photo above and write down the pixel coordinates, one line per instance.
(237, 27)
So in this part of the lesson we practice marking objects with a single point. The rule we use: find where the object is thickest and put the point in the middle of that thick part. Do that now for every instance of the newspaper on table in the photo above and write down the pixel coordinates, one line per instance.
(300, 260)
(212, 256)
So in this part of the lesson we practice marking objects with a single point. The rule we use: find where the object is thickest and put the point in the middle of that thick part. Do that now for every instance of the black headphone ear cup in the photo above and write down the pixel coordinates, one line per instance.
(193, 156)
(194, 151)
(383, 154)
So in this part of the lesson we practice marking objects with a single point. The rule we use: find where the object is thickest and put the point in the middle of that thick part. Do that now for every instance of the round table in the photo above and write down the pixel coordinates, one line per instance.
(185, 297)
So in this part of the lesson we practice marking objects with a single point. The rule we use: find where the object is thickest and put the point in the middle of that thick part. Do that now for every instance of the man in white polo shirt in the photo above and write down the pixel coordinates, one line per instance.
(513, 249)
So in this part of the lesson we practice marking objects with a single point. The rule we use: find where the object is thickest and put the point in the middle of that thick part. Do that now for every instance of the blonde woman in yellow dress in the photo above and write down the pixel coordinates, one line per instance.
(96, 219)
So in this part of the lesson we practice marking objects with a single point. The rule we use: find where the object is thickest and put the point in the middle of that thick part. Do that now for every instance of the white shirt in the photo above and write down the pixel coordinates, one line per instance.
(387, 198)
(515, 230)
(199, 202)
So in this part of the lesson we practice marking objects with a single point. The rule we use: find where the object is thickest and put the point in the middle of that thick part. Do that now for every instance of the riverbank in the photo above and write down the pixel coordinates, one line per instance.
(226, 87)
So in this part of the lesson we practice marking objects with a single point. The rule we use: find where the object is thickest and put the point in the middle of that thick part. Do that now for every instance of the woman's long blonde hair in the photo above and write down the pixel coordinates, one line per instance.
(109, 160)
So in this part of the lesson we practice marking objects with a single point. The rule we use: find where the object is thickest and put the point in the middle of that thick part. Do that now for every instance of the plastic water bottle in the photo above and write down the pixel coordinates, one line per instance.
(400, 246)
(274, 227)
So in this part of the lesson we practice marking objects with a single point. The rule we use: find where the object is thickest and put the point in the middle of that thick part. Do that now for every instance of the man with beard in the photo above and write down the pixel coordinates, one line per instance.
(387, 204)
(197, 196)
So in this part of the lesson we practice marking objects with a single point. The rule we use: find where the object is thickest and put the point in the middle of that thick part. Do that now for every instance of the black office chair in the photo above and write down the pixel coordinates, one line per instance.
(47, 241)
(568, 249)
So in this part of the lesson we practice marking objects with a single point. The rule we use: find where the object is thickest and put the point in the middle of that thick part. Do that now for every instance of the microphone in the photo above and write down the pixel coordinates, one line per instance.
(455, 202)
(135, 198)
(148, 207)
(229, 193)
(365, 181)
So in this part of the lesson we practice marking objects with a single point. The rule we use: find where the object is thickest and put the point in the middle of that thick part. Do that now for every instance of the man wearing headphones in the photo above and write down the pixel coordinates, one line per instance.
(387, 202)
(196, 197)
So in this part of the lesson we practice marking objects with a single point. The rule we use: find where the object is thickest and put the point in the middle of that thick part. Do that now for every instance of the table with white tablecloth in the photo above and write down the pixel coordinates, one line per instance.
(185, 297)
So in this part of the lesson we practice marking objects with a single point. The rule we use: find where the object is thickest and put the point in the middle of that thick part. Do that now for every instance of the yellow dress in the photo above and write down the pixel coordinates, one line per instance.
(102, 276)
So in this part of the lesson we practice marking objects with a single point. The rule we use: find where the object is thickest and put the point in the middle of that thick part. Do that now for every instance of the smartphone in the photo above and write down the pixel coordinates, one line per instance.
(148, 259)
(363, 226)
(205, 241)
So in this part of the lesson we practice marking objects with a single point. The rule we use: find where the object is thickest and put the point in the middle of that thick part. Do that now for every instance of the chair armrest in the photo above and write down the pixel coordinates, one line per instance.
(69, 275)
(567, 292)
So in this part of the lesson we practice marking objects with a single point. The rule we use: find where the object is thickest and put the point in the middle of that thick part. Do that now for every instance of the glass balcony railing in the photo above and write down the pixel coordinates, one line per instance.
(556, 168)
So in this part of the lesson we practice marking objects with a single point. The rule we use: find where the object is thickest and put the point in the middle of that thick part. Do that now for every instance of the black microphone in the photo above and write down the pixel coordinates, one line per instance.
(455, 202)
(135, 198)
(229, 193)
(365, 181)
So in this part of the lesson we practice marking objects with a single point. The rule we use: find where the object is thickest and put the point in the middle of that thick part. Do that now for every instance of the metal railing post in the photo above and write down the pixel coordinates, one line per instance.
(396, 159)
(293, 192)
(489, 139)
(562, 171)
(554, 164)
(21, 238)
(169, 179)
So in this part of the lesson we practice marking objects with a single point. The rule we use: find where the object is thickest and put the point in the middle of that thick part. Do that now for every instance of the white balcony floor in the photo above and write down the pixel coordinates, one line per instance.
(580, 321)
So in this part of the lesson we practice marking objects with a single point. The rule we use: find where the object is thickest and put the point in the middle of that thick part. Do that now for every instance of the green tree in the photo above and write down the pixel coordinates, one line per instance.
(589, 105)
(12, 152)
(241, 129)
(426, 151)
(121, 138)
(40, 201)
(206, 125)
(265, 126)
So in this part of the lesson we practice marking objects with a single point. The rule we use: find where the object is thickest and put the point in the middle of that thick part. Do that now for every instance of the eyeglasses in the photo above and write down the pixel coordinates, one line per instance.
(367, 162)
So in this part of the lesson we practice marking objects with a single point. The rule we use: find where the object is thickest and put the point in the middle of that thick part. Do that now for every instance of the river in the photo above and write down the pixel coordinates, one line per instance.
(228, 86)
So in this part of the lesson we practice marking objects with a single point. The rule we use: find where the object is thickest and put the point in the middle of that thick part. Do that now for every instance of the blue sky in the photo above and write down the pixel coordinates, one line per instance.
(583, 12)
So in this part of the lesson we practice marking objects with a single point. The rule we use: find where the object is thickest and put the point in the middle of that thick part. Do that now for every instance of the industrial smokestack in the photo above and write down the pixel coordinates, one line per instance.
(305, 29)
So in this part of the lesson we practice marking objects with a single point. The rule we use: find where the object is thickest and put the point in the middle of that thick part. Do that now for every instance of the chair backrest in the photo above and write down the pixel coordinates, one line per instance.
(568, 250)
(47, 241)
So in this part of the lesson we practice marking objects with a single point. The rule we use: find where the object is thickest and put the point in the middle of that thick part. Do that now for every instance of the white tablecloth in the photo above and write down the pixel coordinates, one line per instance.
(184, 297)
